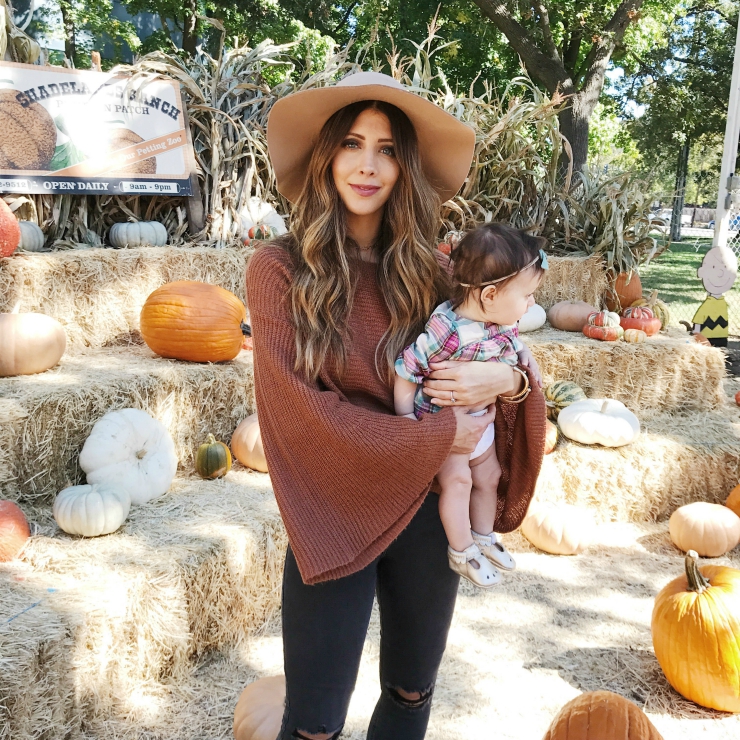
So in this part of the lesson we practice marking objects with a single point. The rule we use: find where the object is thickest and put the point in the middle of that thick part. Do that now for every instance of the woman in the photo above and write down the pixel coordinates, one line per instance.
(366, 164)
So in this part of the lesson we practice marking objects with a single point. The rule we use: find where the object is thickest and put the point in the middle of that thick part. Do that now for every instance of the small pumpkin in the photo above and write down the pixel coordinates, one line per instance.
(699, 338)
(603, 318)
(189, 320)
(626, 288)
(560, 529)
(445, 248)
(256, 212)
(658, 307)
(603, 333)
(246, 444)
(733, 500)
(710, 529)
(560, 394)
(14, 530)
(634, 336)
(601, 715)
(10, 231)
(640, 317)
(737, 398)
(91, 510)
(259, 711)
(262, 232)
(213, 459)
(570, 315)
(532, 320)
(138, 234)
(601, 421)
(32, 238)
(29, 343)
(551, 436)
(130, 449)
(696, 634)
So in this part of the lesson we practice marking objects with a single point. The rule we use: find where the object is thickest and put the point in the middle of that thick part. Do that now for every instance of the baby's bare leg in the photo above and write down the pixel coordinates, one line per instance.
(486, 476)
(454, 501)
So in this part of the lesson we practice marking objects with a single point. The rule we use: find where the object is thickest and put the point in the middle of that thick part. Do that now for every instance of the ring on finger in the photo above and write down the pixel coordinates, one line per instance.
(452, 396)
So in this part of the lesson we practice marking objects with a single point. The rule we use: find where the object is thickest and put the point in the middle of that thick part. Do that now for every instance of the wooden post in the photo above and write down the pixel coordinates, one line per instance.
(194, 207)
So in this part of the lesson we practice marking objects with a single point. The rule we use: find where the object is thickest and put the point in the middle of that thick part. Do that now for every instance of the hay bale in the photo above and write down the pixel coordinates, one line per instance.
(196, 570)
(45, 418)
(97, 294)
(37, 692)
(665, 373)
(573, 279)
(679, 458)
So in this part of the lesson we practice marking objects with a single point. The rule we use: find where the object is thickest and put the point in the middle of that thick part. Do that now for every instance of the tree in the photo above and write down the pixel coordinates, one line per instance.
(567, 46)
(684, 88)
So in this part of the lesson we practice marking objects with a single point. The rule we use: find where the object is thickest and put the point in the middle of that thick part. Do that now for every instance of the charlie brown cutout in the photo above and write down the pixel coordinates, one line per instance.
(718, 272)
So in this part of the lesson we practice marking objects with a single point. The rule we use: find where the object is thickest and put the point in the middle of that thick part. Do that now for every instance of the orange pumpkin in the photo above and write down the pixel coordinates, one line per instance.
(626, 288)
(246, 444)
(642, 318)
(14, 530)
(603, 333)
(696, 634)
(737, 398)
(601, 715)
(570, 315)
(10, 230)
(188, 320)
(733, 500)
(603, 318)
(551, 436)
(445, 248)
(259, 711)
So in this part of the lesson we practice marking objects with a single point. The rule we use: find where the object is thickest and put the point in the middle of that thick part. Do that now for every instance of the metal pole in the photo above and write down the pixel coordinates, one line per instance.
(732, 133)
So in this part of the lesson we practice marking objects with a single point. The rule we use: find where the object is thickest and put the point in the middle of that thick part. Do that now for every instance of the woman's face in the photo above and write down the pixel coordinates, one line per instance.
(365, 168)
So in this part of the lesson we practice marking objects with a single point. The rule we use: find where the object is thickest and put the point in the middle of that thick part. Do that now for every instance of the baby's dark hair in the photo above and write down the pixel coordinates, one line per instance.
(490, 252)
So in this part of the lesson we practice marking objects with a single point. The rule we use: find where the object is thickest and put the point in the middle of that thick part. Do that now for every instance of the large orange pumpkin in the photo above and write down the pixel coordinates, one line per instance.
(696, 634)
(10, 230)
(601, 715)
(624, 290)
(188, 320)
(14, 530)
(259, 711)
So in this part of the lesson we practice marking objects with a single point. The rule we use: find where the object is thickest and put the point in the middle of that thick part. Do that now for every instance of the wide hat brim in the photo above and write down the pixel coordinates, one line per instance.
(446, 144)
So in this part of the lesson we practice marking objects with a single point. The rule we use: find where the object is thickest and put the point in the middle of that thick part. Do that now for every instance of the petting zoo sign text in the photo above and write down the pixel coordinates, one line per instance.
(74, 131)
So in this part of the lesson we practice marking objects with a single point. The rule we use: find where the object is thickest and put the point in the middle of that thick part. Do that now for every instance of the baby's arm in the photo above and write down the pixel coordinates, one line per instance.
(403, 397)
(526, 359)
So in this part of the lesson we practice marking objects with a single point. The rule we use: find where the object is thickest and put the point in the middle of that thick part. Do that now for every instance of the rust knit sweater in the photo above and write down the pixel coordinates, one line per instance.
(348, 473)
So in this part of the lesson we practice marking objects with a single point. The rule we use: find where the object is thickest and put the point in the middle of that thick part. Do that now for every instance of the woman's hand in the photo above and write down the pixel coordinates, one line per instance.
(470, 429)
(474, 384)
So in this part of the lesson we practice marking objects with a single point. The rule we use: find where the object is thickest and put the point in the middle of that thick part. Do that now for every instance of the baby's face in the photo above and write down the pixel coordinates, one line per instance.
(510, 302)
(718, 271)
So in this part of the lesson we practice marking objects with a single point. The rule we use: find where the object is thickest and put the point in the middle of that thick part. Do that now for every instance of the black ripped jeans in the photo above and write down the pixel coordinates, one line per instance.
(324, 629)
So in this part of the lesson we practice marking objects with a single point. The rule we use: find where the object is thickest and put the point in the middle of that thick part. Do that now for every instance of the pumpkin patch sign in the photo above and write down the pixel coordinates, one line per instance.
(77, 131)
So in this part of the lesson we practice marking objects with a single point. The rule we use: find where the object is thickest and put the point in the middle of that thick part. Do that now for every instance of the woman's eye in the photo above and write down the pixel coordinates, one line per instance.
(350, 144)
(389, 151)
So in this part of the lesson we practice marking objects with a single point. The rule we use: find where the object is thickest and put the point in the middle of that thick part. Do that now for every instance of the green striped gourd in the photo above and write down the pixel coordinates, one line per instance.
(560, 394)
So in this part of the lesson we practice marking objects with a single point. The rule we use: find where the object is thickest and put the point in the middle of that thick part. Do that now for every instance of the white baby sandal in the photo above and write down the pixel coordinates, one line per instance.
(494, 550)
(471, 564)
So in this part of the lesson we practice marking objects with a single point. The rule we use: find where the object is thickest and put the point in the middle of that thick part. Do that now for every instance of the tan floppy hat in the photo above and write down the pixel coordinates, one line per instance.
(446, 144)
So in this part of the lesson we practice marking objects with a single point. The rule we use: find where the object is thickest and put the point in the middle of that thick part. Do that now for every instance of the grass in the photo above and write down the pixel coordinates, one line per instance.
(673, 275)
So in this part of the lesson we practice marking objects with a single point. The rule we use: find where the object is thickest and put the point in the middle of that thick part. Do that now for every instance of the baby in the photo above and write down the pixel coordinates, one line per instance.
(496, 271)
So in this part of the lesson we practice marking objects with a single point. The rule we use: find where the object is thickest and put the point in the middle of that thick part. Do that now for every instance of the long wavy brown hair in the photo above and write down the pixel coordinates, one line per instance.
(411, 280)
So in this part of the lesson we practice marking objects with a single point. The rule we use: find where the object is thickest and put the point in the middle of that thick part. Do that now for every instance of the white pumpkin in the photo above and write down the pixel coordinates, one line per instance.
(91, 510)
(130, 449)
(138, 234)
(601, 421)
(246, 444)
(257, 212)
(32, 238)
(533, 319)
(710, 529)
(560, 529)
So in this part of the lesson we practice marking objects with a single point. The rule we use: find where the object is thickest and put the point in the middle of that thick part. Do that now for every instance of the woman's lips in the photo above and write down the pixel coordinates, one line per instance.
(365, 190)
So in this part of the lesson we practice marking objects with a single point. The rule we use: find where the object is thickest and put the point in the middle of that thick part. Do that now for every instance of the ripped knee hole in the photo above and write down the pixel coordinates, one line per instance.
(411, 699)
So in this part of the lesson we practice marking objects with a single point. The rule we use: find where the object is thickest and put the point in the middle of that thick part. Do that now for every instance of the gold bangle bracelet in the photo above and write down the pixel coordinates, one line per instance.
(519, 397)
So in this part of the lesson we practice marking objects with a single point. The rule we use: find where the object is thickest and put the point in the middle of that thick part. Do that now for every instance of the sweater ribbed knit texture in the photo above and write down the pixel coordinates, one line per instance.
(349, 474)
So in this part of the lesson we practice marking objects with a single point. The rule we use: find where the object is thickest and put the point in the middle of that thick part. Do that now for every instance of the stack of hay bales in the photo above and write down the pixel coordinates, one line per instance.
(199, 569)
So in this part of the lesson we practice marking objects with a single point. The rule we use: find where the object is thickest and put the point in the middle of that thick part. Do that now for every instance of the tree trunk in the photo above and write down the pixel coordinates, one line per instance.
(574, 126)
(70, 48)
(680, 191)
(190, 26)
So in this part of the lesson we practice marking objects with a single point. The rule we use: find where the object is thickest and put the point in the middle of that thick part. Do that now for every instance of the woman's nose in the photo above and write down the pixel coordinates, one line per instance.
(368, 163)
